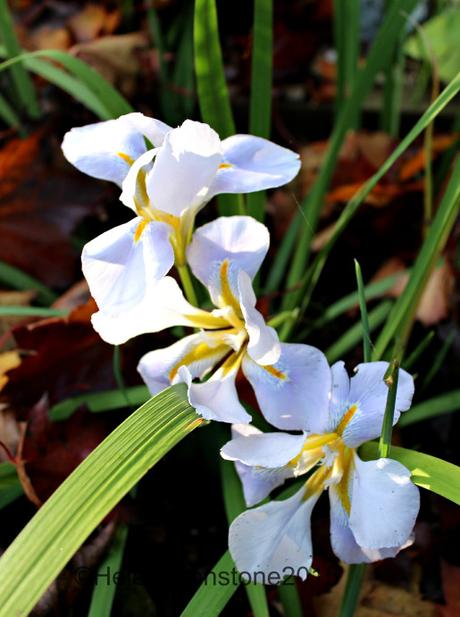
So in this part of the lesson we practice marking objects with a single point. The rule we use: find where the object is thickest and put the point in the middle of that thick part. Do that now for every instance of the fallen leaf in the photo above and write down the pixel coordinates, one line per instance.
(52, 450)
(115, 57)
(436, 300)
(62, 357)
(93, 21)
(416, 164)
(377, 600)
(41, 202)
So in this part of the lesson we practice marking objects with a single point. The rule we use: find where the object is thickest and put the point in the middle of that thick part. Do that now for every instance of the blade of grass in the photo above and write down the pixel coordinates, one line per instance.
(212, 89)
(10, 486)
(261, 88)
(32, 311)
(437, 406)
(100, 401)
(312, 276)
(215, 591)
(403, 312)
(9, 116)
(15, 278)
(103, 594)
(53, 535)
(350, 301)
(109, 98)
(418, 351)
(378, 58)
(347, 43)
(355, 334)
(69, 84)
(22, 81)
(364, 315)
(438, 360)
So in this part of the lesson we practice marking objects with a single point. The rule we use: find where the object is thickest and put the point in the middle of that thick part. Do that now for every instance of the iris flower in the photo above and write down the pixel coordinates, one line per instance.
(373, 504)
(165, 186)
(225, 255)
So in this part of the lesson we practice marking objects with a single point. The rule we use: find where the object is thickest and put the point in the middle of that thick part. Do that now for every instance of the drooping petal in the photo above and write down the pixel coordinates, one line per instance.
(184, 168)
(240, 239)
(254, 164)
(369, 392)
(343, 541)
(216, 398)
(274, 538)
(293, 393)
(106, 150)
(197, 352)
(257, 482)
(264, 346)
(163, 307)
(384, 503)
(263, 449)
(122, 264)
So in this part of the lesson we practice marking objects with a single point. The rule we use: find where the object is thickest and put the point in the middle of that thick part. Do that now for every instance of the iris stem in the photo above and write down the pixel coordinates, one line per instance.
(187, 283)
(391, 379)
(351, 594)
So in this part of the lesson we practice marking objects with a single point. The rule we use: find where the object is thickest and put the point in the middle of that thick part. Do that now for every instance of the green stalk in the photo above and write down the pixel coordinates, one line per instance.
(391, 379)
(347, 43)
(261, 88)
(364, 315)
(187, 283)
(350, 597)
(213, 97)
(21, 79)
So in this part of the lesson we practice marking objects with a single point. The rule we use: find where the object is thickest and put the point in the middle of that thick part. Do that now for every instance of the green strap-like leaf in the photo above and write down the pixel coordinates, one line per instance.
(215, 592)
(13, 277)
(10, 487)
(427, 471)
(103, 593)
(21, 79)
(103, 98)
(100, 401)
(260, 107)
(445, 403)
(53, 535)
(212, 89)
